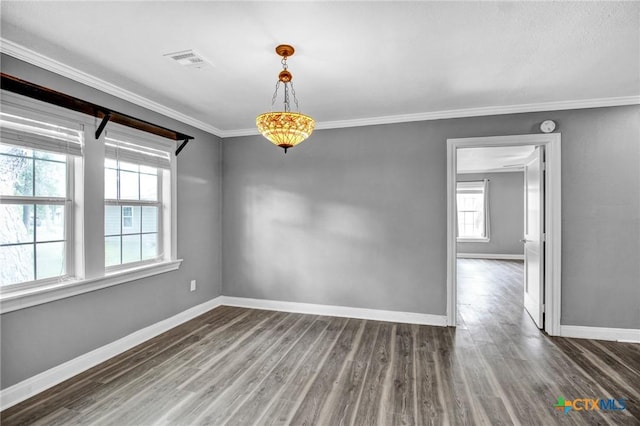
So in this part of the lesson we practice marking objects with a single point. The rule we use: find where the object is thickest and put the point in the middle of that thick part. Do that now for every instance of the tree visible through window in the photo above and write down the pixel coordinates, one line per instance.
(472, 210)
(33, 186)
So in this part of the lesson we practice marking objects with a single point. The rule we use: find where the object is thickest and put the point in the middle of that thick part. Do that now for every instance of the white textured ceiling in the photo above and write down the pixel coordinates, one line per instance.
(492, 159)
(354, 60)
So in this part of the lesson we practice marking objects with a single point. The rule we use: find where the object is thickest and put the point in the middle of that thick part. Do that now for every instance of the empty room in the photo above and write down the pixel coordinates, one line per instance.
(319, 213)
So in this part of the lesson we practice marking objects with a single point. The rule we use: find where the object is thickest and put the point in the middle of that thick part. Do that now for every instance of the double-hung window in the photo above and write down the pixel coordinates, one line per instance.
(473, 211)
(78, 213)
(134, 180)
(36, 199)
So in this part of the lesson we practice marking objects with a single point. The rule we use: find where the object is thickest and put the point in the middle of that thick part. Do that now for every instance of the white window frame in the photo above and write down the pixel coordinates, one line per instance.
(167, 190)
(485, 206)
(85, 253)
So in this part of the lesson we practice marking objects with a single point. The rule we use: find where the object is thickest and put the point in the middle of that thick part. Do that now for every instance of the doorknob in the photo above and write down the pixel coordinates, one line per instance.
(524, 240)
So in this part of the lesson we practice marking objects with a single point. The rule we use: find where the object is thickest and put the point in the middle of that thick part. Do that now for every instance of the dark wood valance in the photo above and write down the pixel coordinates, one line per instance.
(41, 93)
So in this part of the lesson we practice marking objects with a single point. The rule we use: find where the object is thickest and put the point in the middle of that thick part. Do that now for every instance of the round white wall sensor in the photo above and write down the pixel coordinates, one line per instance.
(548, 126)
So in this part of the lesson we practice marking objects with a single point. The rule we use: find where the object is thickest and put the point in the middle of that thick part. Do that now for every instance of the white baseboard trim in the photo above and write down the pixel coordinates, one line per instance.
(337, 311)
(490, 256)
(43, 381)
(625, 335)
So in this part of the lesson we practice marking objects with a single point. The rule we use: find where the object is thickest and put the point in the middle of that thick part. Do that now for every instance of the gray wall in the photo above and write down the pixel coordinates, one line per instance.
(506, 214)
(38, 338)
(357, 217)
(352, 217)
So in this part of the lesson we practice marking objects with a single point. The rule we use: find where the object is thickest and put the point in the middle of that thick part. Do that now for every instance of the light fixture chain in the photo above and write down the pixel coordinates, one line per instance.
(295, 98)
(287, 106)
(275, 94)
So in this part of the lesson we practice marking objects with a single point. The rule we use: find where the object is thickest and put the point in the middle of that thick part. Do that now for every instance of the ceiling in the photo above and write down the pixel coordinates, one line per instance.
(492, 159)
(355, 63)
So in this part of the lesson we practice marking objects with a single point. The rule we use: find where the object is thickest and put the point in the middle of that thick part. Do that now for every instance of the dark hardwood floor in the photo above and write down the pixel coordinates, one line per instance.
(240, 367)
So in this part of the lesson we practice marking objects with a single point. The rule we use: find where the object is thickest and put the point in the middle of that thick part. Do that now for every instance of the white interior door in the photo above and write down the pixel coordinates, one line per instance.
(534, 236)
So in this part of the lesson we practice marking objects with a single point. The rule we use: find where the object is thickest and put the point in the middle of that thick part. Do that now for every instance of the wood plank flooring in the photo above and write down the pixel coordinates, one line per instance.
(241, 367)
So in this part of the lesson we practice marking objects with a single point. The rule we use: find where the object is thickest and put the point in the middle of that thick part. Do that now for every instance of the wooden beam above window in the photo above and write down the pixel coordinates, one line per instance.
(41, 93)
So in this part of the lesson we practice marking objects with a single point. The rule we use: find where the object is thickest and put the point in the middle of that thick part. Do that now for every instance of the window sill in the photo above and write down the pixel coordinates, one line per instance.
(472, 240)
(16, 299)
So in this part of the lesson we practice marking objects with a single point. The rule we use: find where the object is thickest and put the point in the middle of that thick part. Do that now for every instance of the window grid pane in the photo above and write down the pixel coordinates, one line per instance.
(112, 251)
(149, 246)
(149, 219)
(129, 185)
(18, 223)
(111, 184)
(131, 248)
(22, 258)
(50, 260)
(16, 173)
(49, 222)
(50, 178)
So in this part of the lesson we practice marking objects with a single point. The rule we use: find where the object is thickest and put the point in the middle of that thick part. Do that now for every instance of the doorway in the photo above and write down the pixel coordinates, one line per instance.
(543, 299)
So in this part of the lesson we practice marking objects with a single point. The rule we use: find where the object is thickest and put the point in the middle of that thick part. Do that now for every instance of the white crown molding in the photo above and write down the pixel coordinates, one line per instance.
(462, 113)
(58, 374)
(241, 132)
(483, 111)
(25, 54)
(336, 311)
(626, 335)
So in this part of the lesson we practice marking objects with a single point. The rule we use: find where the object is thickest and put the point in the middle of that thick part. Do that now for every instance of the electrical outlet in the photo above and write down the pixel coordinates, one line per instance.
(193, 285)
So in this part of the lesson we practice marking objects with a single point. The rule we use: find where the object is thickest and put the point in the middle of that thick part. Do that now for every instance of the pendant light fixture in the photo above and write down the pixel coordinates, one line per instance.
(285, 129)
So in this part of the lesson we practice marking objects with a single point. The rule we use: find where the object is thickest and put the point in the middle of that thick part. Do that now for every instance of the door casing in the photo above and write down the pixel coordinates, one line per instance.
(552, 212)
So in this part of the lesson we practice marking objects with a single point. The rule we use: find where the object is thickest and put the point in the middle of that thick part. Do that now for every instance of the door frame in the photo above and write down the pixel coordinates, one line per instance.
(552, 212)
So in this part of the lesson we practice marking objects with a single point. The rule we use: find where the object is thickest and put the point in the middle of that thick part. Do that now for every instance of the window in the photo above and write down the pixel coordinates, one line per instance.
(473, 211)
(35, 195)
(75, 217)
(133, 203)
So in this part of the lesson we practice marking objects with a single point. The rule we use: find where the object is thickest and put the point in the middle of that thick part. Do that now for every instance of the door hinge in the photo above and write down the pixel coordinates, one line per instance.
(544, 237)
(543, 311)
(544, 166)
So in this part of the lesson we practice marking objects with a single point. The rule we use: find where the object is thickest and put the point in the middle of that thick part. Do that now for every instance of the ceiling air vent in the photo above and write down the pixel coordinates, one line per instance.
(188, 58)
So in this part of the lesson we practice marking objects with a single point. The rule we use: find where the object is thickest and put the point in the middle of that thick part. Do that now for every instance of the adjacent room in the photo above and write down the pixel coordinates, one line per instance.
(490, 219)
(319, 213)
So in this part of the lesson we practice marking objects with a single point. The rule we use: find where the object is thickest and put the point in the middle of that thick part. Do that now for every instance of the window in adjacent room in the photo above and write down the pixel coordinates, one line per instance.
(36, 199)
(134, 176)
(473, 211)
